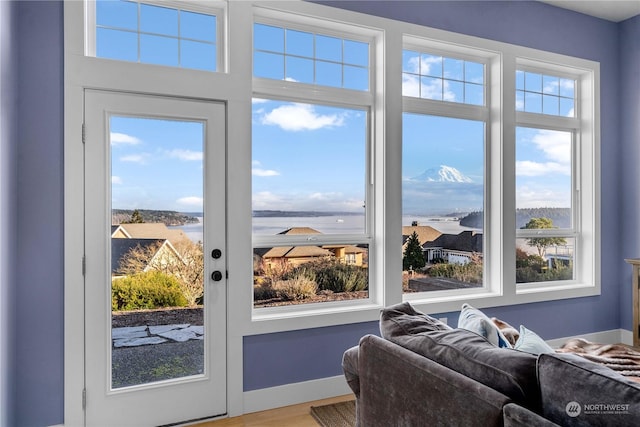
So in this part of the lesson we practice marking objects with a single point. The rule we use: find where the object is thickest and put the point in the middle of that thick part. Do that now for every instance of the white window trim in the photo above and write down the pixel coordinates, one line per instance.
(232, 85)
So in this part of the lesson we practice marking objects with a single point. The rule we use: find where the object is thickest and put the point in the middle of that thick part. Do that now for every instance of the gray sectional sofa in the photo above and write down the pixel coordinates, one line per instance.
(423, 373)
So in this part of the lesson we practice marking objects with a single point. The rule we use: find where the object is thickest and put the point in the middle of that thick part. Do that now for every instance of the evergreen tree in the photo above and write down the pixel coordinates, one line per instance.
(413, 257)
(136, 218)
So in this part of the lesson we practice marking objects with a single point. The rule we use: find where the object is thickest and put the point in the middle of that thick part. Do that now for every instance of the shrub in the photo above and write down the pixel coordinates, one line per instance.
(470, 272)
(332, 275)
(151, 289)
(297, 288)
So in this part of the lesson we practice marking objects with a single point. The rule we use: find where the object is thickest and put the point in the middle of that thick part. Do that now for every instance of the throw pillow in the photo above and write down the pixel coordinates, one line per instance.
(530, 342)
(476, 321)
(403, 319)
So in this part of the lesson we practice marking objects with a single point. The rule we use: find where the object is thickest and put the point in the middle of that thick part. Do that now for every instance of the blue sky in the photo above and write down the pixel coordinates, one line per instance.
(313, 157)
(156, 164)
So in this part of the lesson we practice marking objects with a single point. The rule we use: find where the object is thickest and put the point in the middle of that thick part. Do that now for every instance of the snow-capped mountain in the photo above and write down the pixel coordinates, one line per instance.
(443, 174)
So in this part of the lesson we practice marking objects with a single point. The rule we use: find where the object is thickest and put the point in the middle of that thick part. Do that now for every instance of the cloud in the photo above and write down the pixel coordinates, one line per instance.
(124, 139)
(300, 117)
(116, 180)
(135, 158)
(186, 155)
(190, 201)
(317, 201)
(264, 172)
(535, 197)
(529, 168)
(430, 88)
(556, 150)
(257, 170)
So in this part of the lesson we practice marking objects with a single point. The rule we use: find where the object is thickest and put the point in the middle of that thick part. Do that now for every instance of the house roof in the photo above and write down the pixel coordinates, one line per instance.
(425, 233)
(151, 230)
(120, 247)
(467, 241)
(295, 252)
(300, 230)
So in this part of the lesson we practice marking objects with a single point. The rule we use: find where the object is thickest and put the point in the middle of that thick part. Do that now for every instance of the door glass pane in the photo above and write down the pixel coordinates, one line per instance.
(157, 264)
(442, 203)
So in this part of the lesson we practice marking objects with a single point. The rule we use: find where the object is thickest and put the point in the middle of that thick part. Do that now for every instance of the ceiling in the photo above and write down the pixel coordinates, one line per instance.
(611, 10)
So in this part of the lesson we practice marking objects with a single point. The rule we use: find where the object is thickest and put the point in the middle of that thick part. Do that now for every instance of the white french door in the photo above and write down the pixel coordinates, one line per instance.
(155, 183)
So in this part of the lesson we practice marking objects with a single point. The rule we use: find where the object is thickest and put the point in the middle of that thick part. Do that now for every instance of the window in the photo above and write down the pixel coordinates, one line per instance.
(310, 167)
(442, 192)
(347, 129)
(547, 186)
(443, 171)
(301, 56)
(429, 76)
(539, 93)
(153, 34)
(458, 199)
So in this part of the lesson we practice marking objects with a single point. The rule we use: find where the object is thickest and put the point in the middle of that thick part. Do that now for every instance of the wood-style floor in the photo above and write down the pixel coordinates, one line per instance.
(289, 416)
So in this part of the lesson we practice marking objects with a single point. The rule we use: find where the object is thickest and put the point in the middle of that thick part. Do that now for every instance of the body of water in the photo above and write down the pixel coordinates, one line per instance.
(331, 224)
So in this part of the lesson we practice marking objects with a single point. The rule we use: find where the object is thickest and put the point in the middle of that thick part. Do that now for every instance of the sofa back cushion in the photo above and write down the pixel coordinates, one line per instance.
(577, 392)
(508, 371)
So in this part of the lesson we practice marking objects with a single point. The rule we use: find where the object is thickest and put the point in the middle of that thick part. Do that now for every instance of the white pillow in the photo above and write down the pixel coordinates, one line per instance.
(476, 321)
(530, 342)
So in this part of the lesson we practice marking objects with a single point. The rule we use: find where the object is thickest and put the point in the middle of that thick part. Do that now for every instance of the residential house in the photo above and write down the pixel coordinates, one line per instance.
(150, 230)
(297, 255)
(155, 253)
(454, 248)
(278, 366)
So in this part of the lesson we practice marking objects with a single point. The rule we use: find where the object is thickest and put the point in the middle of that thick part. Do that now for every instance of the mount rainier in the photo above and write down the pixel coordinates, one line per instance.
(443, 174)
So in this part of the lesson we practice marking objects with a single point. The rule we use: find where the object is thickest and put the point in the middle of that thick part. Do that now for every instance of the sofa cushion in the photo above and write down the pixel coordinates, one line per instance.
(577, 392)
(508, 371)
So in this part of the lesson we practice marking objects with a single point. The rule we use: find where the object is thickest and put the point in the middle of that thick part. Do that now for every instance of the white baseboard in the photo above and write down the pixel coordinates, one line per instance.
(291, 394)
(613, 336)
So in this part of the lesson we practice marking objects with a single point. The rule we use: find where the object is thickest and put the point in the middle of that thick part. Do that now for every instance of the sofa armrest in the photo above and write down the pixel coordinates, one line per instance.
(401, 388)
(350, 369)
(518, 416)
(577, 392)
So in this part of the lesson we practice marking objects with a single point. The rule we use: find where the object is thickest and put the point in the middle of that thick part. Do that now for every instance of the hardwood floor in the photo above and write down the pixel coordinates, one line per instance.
(289, 416)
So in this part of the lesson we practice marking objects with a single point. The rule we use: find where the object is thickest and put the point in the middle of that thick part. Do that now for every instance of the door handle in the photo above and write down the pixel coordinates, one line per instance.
(216, 276)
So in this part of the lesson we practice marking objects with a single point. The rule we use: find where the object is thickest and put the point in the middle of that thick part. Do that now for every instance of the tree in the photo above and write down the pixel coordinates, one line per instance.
(542, 243)
(413, 258)
(136, 218)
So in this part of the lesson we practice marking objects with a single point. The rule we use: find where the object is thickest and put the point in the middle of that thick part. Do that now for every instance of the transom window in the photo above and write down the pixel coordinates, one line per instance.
(300, 56)
(545, 94)
(152, 34)
(442, 78)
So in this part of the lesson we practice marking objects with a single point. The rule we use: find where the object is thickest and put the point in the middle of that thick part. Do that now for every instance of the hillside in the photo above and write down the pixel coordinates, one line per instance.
(149, 215)
(561, 217)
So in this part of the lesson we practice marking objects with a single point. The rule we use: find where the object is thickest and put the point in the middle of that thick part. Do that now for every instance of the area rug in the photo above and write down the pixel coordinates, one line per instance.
(341, 414)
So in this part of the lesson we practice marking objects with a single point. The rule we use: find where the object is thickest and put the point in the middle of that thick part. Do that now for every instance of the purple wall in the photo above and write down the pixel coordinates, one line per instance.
(629, 156)
(38, 292)
(36, 360)
(8, 186)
